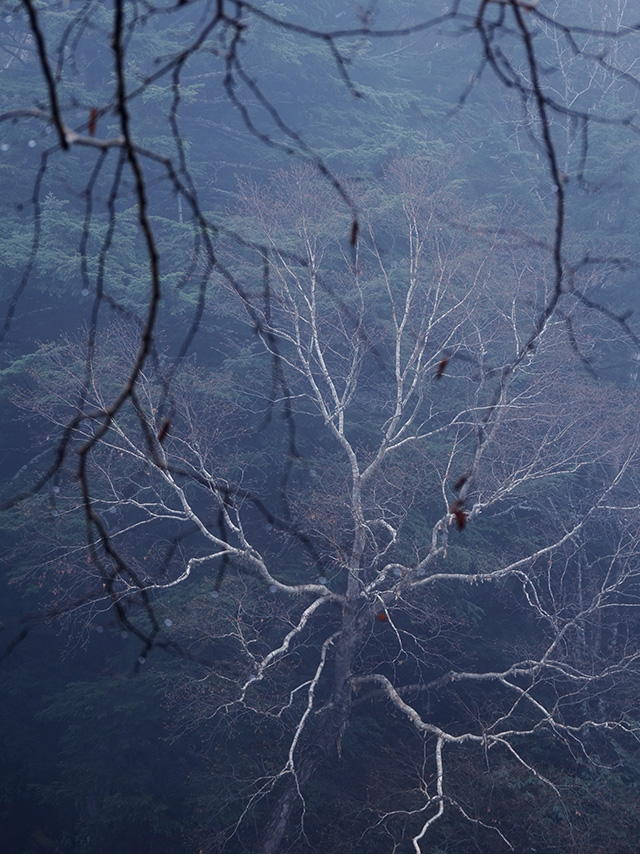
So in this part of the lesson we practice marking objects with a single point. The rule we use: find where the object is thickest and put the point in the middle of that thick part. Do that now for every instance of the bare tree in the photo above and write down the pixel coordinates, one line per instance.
(422, 400)
(331, 600)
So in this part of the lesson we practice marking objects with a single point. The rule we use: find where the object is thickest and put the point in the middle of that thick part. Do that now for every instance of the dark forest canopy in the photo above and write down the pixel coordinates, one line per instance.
(320, 449)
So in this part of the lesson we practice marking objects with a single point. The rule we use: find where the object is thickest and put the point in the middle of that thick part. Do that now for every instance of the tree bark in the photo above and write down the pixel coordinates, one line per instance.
(327, 739)
(281, 814)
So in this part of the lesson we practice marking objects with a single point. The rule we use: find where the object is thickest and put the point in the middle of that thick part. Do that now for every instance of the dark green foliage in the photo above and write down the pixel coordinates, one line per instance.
(116, 782)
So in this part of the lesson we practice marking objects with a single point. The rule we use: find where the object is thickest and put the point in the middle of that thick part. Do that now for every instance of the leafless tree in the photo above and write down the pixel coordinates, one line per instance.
(438, 397)
(331, 602)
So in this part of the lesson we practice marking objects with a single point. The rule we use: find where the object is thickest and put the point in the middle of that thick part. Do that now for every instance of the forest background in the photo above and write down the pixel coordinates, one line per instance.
(319, 426)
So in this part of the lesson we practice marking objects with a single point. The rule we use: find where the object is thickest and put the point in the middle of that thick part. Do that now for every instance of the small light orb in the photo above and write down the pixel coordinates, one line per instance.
(268, 527)
(214, 594)
(99, 629)
(85, 292)
(313, 474)
(168, 623)
(124, 635)
(55, 490)
(272, 588)
(322, 579)
(5, 146)
(8, 19)
(32, 143)
(112, 510)
(397, 572)
(55, 514)
(142, 659)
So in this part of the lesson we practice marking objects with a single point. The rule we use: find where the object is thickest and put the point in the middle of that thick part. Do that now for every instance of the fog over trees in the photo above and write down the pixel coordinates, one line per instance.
(320, 439)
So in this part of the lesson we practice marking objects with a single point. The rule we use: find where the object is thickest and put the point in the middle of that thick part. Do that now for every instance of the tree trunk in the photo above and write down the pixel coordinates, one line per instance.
(327, 739)
(281, 813)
